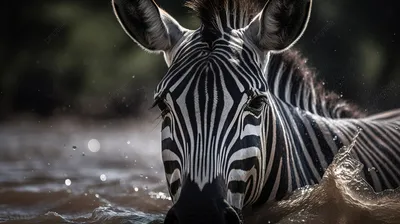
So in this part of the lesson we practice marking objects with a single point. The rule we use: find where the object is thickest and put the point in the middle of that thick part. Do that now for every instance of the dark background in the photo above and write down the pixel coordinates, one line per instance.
(72, 58)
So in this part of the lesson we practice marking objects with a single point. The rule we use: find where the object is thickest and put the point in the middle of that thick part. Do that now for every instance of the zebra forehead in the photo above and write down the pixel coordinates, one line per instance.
(228, 62)
(232, 13)
(213, 78)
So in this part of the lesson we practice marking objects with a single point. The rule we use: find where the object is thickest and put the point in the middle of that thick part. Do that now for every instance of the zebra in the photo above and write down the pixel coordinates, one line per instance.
(244, 120)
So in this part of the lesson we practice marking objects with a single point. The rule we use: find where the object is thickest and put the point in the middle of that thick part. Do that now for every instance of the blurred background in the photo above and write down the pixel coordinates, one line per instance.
(71, 58)
(78, 142)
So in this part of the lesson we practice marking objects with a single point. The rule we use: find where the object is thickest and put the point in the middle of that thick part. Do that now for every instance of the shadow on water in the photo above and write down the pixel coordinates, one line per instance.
(80, 172)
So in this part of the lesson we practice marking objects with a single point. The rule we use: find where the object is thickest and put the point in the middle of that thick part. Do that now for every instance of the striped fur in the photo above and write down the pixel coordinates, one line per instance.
(222, 14)
(296, 137)
(255, 125)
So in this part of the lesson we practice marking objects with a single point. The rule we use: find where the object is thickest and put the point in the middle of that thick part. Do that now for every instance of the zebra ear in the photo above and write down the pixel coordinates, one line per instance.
(149, 26)
(280, 24)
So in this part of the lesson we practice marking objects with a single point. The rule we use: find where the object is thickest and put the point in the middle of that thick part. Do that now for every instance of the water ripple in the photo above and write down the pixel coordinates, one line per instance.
(124, 183)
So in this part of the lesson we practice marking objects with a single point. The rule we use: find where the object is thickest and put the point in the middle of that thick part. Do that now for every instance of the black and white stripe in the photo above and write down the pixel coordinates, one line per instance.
(297, 134)
(241, 115)
(207, 130)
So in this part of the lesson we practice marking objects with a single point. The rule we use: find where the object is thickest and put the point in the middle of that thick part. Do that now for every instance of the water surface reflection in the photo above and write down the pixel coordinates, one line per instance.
(111, 172)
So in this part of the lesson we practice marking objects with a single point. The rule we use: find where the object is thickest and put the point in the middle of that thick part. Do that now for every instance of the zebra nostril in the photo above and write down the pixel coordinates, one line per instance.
(171, 217)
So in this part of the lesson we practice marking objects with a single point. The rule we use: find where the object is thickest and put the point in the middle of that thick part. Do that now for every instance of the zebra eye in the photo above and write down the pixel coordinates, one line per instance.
(257, 103)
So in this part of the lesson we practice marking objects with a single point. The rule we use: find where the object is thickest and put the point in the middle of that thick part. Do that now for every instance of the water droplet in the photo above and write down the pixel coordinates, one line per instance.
(68, 182)
(94, 145)
(128, 142)
(126, 157)
(103, 177)
(335, 138)
(83, 153)
(97, 196)
(146, 177)
(48, 164)
(74, 148)
(136, 189)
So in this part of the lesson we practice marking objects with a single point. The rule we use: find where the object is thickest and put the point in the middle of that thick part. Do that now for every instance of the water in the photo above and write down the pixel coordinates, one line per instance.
(343, 196)
(111, 172)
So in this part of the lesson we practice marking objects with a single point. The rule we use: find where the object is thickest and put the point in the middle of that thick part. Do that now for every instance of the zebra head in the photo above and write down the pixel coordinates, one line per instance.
(214, 99)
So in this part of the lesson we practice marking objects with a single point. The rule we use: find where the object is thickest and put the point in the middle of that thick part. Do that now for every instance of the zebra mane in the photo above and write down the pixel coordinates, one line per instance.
(304, 91)
(220, 14)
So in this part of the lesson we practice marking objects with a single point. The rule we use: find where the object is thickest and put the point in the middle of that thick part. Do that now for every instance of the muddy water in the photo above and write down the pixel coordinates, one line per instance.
(111, 172)
(342, 197)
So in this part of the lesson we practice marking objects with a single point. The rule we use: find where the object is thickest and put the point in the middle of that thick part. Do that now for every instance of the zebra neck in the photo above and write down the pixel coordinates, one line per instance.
(300, 145)
(304, 146)
(292, 81)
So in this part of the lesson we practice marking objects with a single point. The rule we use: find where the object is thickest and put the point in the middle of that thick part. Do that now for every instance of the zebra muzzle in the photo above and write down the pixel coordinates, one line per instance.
(214, 213)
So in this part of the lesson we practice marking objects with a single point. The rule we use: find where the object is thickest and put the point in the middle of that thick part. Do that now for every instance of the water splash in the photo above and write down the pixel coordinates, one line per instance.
(94, 145)
(68, 182)
(103, 177)
(43, 196)
(342, 196)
